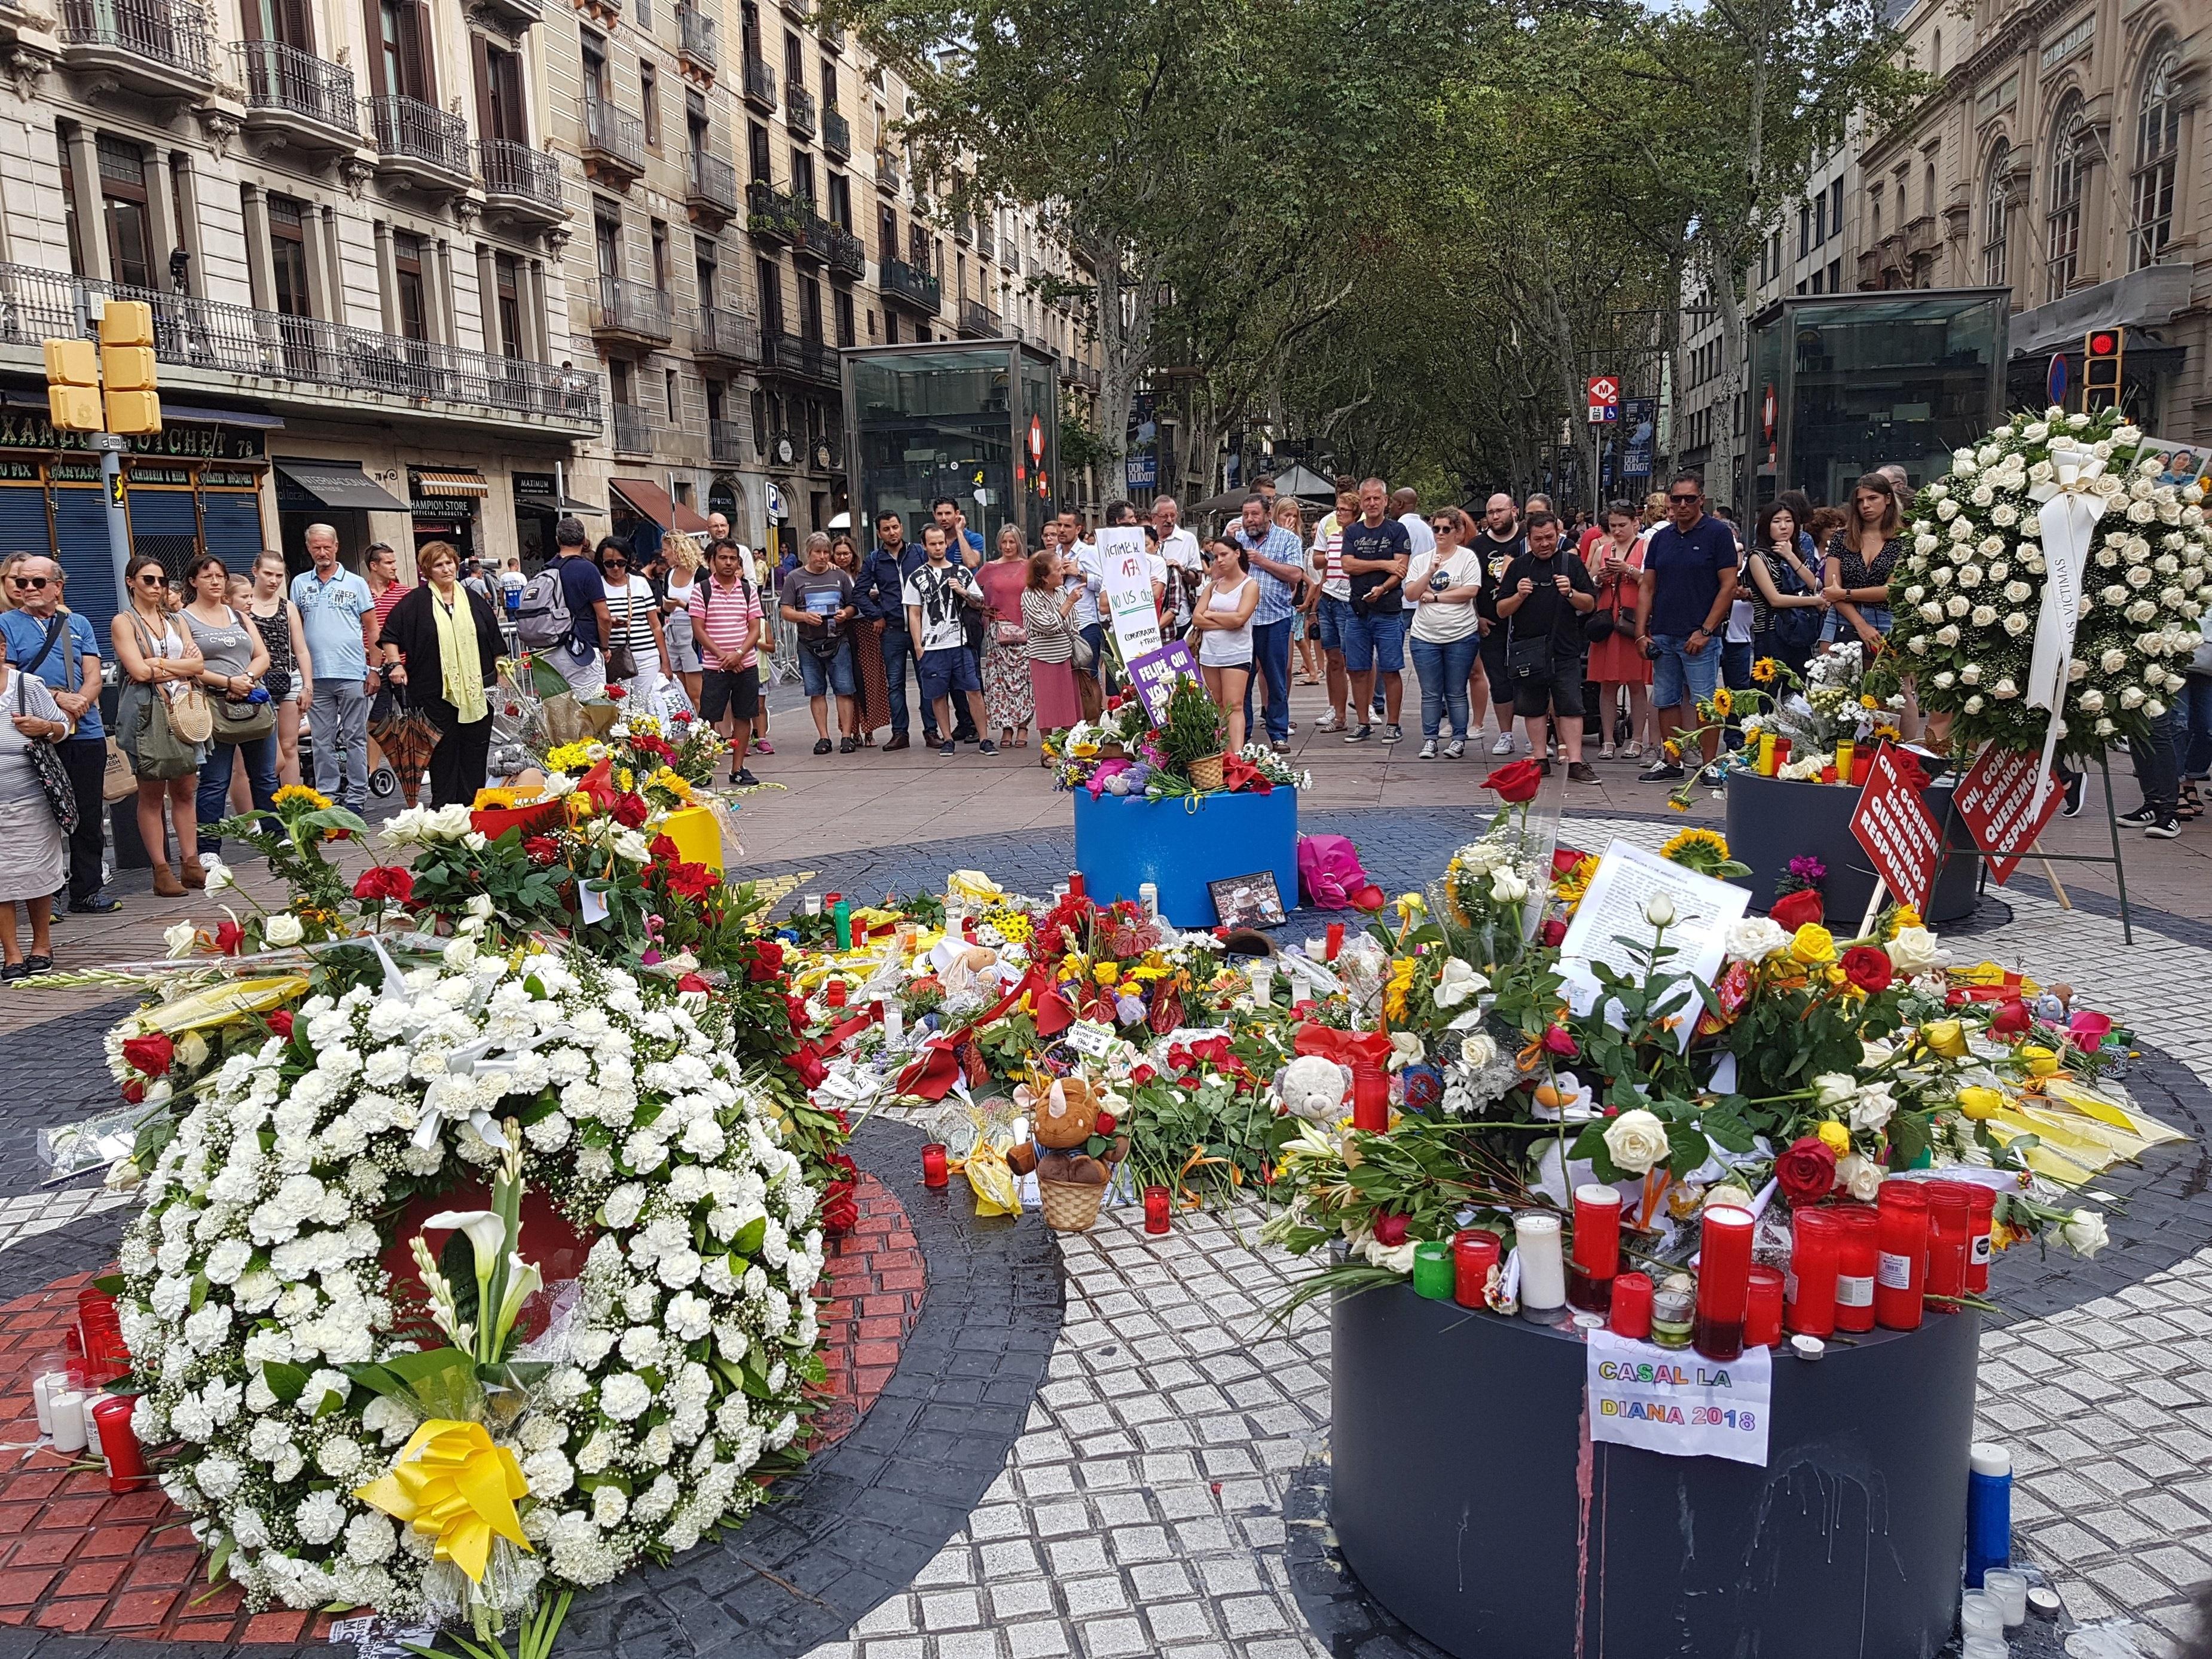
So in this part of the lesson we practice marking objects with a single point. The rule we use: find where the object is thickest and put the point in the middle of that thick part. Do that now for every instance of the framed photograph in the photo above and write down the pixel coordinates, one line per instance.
(1247, 901)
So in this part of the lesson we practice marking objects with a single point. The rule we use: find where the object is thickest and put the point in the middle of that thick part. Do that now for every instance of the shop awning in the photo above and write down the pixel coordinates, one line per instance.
(449, 483)
(537, 503)
(240, 417)
(330, 483)
(648, 499)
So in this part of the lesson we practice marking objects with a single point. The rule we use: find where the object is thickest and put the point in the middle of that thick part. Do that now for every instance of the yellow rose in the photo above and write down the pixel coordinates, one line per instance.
(1105, 973)
(2041, 1062)
(1835, 1137)
(1813, 945)
(1946, 1038)
(1979, 1104)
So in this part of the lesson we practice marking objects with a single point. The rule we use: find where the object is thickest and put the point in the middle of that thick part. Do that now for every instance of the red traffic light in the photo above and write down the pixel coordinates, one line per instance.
(2103, 343)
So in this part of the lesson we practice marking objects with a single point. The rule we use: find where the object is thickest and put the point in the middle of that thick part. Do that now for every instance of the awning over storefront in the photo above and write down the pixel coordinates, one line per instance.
(304, 484)
(221, 417)
(2145, 298)
(449, 483)
(650, 500)
(536, 503)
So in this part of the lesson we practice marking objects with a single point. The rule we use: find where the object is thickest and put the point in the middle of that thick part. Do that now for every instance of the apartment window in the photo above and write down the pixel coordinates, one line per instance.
(1996, 214)
(715, 393)
(1935, 58)
(802, 175)
(660, 255)
(708, 268)
(648, 103)
(845, 335)
(828, 85)
(749, 29)
(917, 248)
(771, 297)
(1804, 229)
(501, 110)
(1820, 285)
(288, 249)
(841, 200)
(594, 49)
(606, 227)
(1835, 276)
(2158, 147)
(1873, 208)
(890, 327)
(760, 421)
(809, 308)
(619, 384)
(400, 62)
(2061, 253)
(758, 153)
(794, 63)
(674, 398)
(1928, 191)
(123, 205)
(414, 300)
(696, 125)
(887, 232)
(507, 273)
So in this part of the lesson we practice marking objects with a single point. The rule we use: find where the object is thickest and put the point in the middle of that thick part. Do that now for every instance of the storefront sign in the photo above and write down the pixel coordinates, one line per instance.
(1155, 673)
(1898, 832)
(20, 429)
(1678, 1402)
(1128, 574)
(1996, 801)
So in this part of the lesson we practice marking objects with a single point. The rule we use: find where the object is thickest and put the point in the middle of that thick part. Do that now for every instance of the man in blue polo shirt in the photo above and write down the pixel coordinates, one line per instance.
(61, 649)
(337, 617)
(1689, 582)
(1278, 565)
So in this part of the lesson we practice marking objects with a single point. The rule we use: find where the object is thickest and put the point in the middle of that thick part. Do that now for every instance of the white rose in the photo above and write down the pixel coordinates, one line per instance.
(1636, 1141)
(2004, 689)
(2016, 624)
(1507, 887)
(178, 941)
(1915, 951)
(2035, 431)
(460, 954)
(1984, 616)
(1659, 910)
(1859, 1177)
(282, 930)
(2083, 1232)
(218, 875)
(1457, 983)
(1756, 937)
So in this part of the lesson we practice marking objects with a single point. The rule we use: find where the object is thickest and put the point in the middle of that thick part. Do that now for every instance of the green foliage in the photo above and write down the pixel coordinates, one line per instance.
(1194, 728)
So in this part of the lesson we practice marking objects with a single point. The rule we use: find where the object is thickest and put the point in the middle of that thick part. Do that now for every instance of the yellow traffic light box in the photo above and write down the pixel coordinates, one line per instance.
(73, 385)
(126, 356)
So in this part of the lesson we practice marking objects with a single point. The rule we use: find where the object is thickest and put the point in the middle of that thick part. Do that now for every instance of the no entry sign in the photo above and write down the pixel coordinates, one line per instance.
(1898, 832)
(1994, 799)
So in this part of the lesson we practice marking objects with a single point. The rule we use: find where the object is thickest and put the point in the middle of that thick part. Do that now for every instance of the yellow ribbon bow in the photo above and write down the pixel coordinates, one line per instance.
(450, 1483)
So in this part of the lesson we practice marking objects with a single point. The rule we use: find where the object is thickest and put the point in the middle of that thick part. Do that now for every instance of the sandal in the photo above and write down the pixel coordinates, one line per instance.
(2191, 805)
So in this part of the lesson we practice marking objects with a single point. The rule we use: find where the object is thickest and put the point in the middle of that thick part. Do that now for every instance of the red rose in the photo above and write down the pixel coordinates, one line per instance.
(1516, 780)
(841, 1210)
(795, 1008)
(683, 717)
(1142, 1074)
(541, 849)
(1105, 1124)
(228, 937)
(1559, 1040)
(2012, 1020)
(664, 847)
(1794, 911)
(1868, 967)
(691, 881)
(616, 693)
(134, 1090)
(768, 960)
(1564, 860)
(1807, 1171)
(281, 1022)
(693, 983)
(1552, 933)
(631, 811)
(385, 883)
(151, 1053)
(1389, 1230)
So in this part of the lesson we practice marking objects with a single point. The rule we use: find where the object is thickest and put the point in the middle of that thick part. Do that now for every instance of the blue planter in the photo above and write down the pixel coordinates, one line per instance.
(1179, 846)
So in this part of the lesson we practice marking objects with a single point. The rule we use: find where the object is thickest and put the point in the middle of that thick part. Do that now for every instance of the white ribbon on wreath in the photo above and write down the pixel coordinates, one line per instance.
(2070, 508)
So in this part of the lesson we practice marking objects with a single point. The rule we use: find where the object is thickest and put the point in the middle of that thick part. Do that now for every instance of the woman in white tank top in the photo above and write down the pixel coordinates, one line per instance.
(1222, 619)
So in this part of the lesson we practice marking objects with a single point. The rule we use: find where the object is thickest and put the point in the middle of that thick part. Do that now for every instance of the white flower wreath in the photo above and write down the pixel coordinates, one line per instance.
(252, 1277)
(1966, 594)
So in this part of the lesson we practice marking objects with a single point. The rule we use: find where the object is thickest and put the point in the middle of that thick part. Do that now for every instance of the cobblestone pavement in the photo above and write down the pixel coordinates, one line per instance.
(1141, 1508)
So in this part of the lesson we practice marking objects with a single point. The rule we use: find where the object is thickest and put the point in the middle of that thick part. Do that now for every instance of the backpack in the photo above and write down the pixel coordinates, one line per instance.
(541, 620)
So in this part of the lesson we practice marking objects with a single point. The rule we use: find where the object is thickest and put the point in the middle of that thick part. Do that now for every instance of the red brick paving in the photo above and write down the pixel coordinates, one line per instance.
(77, 1558)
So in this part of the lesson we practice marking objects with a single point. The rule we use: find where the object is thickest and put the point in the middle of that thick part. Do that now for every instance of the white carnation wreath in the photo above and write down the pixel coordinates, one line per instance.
(252, 1278)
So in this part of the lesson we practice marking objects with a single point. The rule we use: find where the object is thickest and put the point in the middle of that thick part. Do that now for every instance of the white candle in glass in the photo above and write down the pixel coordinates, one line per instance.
(66, 1407)
(2008, 1589)
(43, 1389)
(1543, 1268)
(91, 1397)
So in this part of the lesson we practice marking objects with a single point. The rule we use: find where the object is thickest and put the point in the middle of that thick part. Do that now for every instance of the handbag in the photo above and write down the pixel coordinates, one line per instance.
(1004, 632)
(622, 661)
(1529, 659)
(1083, 655)
(185, 717)
(1598, 627)
(236, 720)
(46, 762)
(118, 782)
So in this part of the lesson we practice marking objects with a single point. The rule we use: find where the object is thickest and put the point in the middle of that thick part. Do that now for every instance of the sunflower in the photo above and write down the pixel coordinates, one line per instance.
(1763, 671)
(1696, 849)
(1672, 750)
(298, 794)
(1723, 701)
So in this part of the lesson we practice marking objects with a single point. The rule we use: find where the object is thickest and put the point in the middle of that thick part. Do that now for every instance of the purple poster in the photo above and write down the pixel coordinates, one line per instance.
(1154, 675)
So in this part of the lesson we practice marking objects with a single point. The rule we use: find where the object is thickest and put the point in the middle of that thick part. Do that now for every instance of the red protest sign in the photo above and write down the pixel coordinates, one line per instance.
(1898, 832)
(1993, 801)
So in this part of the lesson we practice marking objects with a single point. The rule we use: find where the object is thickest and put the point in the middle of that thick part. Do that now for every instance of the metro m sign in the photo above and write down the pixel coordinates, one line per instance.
(1604, 398)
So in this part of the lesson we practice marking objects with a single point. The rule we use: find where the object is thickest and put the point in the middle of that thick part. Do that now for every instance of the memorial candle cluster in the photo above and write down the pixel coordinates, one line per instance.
(72, 1409)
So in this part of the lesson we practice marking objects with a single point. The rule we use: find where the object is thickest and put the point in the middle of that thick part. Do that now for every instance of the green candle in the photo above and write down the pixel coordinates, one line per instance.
(1433, 1274)
(843, 916)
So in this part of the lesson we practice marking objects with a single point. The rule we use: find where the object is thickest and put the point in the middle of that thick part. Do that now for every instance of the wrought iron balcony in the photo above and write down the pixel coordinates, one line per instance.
(298, 93)
(889, 180)
(760, 85)
(725, 440)
(771, 214)
(837, 136)
(848, 255)
(812, 242)
(146, 43)
(614, 139)
(978, 321)
(911, 286)
(634, 430)
(798, 109)
(790, 353)
(985, 238)
(519, 180)
(312, 358)
(419, 139)
(696, 33)
(726, 334)
(632, 311)
(711, 186)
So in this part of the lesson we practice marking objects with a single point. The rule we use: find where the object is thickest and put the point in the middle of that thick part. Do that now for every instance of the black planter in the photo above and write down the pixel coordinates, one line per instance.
(1462, 1500)
(1770, 822)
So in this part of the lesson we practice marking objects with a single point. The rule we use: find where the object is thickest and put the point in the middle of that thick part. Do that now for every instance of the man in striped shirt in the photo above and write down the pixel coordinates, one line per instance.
(1274, 553)
(726, 620)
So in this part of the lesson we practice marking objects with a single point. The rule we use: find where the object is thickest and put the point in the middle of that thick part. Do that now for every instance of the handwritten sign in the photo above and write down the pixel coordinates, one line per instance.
(1678, 1402)
(1610, 922)
(1155, 673)
(1898, 832)
(1996, 802)
(1127, 573)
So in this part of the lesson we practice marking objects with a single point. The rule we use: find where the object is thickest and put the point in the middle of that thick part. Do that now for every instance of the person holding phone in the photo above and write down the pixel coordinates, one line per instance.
(1617, 662)
(1546, 593)
(1688, 586)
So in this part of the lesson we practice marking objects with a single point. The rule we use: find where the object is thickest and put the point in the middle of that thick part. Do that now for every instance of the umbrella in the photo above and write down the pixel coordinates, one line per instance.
(1297, 480)
(403, 732)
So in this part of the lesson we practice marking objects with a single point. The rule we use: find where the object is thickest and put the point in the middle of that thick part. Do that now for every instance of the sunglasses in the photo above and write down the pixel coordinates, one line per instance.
(1684, 501)
(27, 581)
(615, 564)
(151, 580)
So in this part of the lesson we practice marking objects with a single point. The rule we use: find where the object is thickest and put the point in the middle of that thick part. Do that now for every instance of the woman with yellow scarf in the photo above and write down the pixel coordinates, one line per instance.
(442, 643)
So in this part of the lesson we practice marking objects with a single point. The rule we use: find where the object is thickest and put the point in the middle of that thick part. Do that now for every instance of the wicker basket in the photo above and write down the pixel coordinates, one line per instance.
(1070, 1207)
(1206, 774)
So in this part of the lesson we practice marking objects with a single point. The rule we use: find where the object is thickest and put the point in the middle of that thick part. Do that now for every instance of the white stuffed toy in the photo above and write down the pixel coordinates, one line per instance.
(1313, 1087)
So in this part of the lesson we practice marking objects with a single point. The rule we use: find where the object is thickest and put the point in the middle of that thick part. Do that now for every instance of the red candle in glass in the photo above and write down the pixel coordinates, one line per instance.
(1075, 884)
(1858, 1255)
(1723, 1281)
(1762, 1308)
(1371, 1097)
(126, 1462)
(1982, 1207)
(1335, 935)
(1631, 1306)
(1809, 1288)
(1900, 1279)
(1156, 1209)
(932, 1164)
(1597, 1259)
(833, 994)
(1475, 1251)
(1950, 1221)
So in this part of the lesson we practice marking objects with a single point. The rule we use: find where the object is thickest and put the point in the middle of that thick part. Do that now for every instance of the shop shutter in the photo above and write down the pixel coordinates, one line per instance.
(231, 522)
(164, 524)
(23, 519)
(81, 545)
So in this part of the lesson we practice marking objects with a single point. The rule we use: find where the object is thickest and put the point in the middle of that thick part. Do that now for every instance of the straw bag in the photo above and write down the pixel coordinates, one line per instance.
(1070, 1207)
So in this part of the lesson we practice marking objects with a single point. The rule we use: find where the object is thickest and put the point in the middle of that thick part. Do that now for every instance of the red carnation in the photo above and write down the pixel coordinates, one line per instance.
(631, 811)
(1515, 781)
(228, 937)
(1868, 967)
(385, 883)
(541, 849)
(1794, 911)
(1807, 1170)
(151, 1053)
(1389, 1230)
(281, 1022)
(1552, 933)
(841, 1210)
(1105, 1124)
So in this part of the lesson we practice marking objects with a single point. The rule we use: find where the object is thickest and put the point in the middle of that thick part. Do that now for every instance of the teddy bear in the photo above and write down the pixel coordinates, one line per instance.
(1313, 1087)
(1075, 1144)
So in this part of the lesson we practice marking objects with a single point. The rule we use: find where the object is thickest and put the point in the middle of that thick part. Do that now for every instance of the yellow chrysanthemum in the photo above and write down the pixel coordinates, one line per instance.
(298, 794)
(1684, 841)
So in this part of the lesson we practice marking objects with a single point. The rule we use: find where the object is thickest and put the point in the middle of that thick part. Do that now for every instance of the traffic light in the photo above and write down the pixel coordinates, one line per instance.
(126, 359)
(73, 385)
(2101, 351)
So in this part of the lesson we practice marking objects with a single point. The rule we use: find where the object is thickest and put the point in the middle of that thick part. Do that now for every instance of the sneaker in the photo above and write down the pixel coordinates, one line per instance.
(98, 905)
(1455, 749)
(1391, 733)
(1428, 748)
(899, 740)
(1380, 707)
(847, 745)
(1504, 745)
(1327, 722)
(822, 745)
(2167, 828)
(1710, 777)
(1659, 772)
(1544, 767)
(744, 779)
(948, 748)
(2141, 818)
(1582, 772)
(2075, 787)
(763, 747)
(1359, 735)
(1281, 747)
(987, 747)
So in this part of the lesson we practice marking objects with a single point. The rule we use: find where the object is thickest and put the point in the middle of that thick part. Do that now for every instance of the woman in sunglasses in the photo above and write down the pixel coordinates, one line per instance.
(635, 619)
(159, 658)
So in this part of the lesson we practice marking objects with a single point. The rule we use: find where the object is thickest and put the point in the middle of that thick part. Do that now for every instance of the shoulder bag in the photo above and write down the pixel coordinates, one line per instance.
(46, 762)
(621, 660)
(238, 719)
(160, 749)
